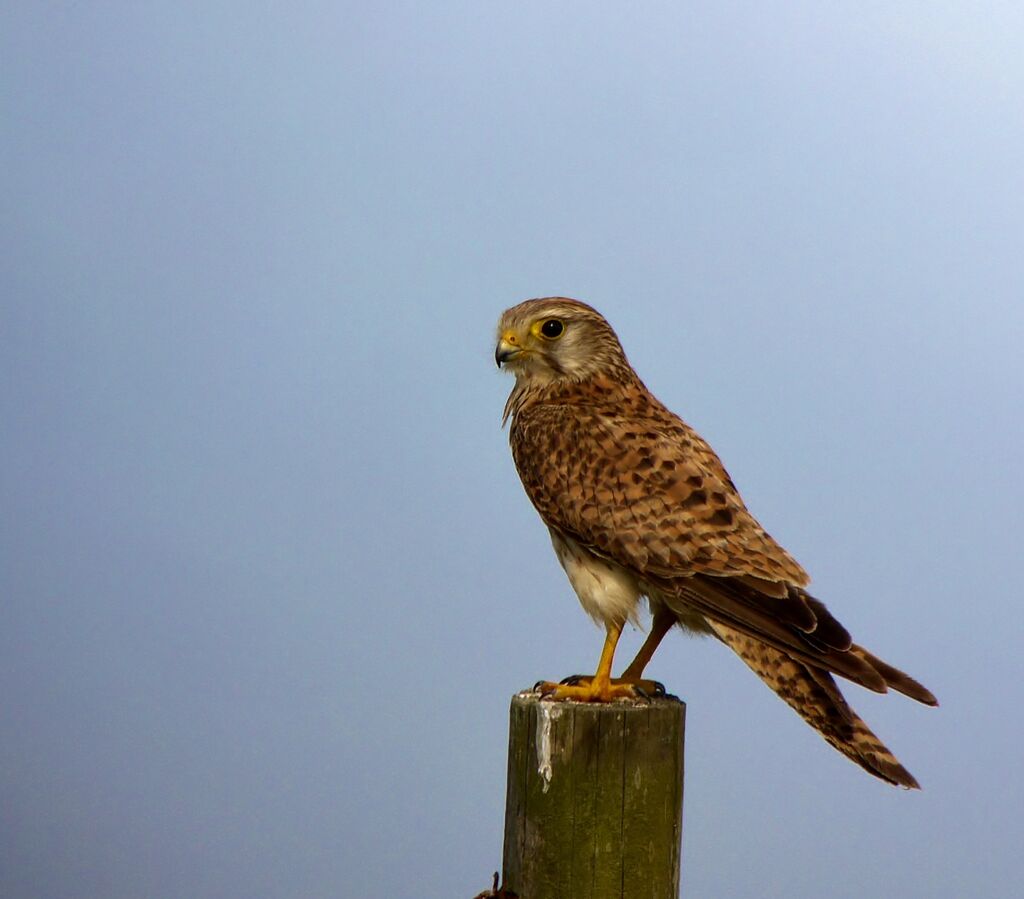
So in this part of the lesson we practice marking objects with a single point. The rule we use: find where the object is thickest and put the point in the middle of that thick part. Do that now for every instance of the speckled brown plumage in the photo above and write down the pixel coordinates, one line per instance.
(639, 505)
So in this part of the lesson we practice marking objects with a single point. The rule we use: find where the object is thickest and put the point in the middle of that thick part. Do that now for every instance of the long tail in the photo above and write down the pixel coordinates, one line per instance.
(813, 694)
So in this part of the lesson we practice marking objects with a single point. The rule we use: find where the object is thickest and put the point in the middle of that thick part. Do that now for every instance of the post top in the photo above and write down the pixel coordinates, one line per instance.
(529, 698)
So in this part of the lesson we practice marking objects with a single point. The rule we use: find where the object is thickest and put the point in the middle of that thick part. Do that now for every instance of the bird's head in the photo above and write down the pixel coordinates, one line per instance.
(555, 339)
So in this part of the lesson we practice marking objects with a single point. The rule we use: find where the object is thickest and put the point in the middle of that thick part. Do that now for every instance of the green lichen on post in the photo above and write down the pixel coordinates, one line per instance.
(594, 801)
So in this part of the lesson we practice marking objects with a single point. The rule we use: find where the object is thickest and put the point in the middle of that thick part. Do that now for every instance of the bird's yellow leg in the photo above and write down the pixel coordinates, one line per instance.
(633, 675)
(661, 625)
(600, 687)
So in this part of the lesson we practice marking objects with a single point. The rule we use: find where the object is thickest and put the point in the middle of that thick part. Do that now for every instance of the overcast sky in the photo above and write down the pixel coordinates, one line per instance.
(267, 575)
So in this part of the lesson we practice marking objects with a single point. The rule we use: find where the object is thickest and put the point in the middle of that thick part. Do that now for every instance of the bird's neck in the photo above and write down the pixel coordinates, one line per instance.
(596, 390)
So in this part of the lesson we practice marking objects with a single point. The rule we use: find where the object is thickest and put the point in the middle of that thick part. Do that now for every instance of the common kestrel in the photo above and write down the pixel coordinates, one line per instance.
(638, 505)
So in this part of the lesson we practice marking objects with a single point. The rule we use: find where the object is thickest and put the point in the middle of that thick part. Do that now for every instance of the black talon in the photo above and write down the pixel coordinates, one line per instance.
(572, 680)
(659, 689)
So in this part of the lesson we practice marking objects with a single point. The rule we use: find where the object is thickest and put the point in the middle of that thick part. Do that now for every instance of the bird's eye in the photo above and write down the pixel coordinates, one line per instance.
(552, 328)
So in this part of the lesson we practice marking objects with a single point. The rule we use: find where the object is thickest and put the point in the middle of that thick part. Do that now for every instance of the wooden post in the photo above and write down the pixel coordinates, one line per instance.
(595, 799)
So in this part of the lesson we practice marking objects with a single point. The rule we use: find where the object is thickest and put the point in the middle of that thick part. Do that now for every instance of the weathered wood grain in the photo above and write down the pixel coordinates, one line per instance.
(594, 800)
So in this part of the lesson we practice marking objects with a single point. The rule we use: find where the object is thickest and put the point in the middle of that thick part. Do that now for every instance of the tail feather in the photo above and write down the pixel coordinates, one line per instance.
(813, 694)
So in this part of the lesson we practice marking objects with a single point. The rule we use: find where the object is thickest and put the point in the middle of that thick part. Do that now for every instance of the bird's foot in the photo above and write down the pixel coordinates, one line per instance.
(643, 687)
(596, 689)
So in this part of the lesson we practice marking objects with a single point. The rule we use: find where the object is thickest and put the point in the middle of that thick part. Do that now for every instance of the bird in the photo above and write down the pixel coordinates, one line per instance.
(639, 507)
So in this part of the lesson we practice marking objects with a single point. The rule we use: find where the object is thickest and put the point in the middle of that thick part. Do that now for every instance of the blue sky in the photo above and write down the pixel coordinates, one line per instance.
(268, 575)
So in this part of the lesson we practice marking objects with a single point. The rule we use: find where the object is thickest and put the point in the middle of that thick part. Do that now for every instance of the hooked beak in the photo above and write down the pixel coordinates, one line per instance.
(508, 348)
